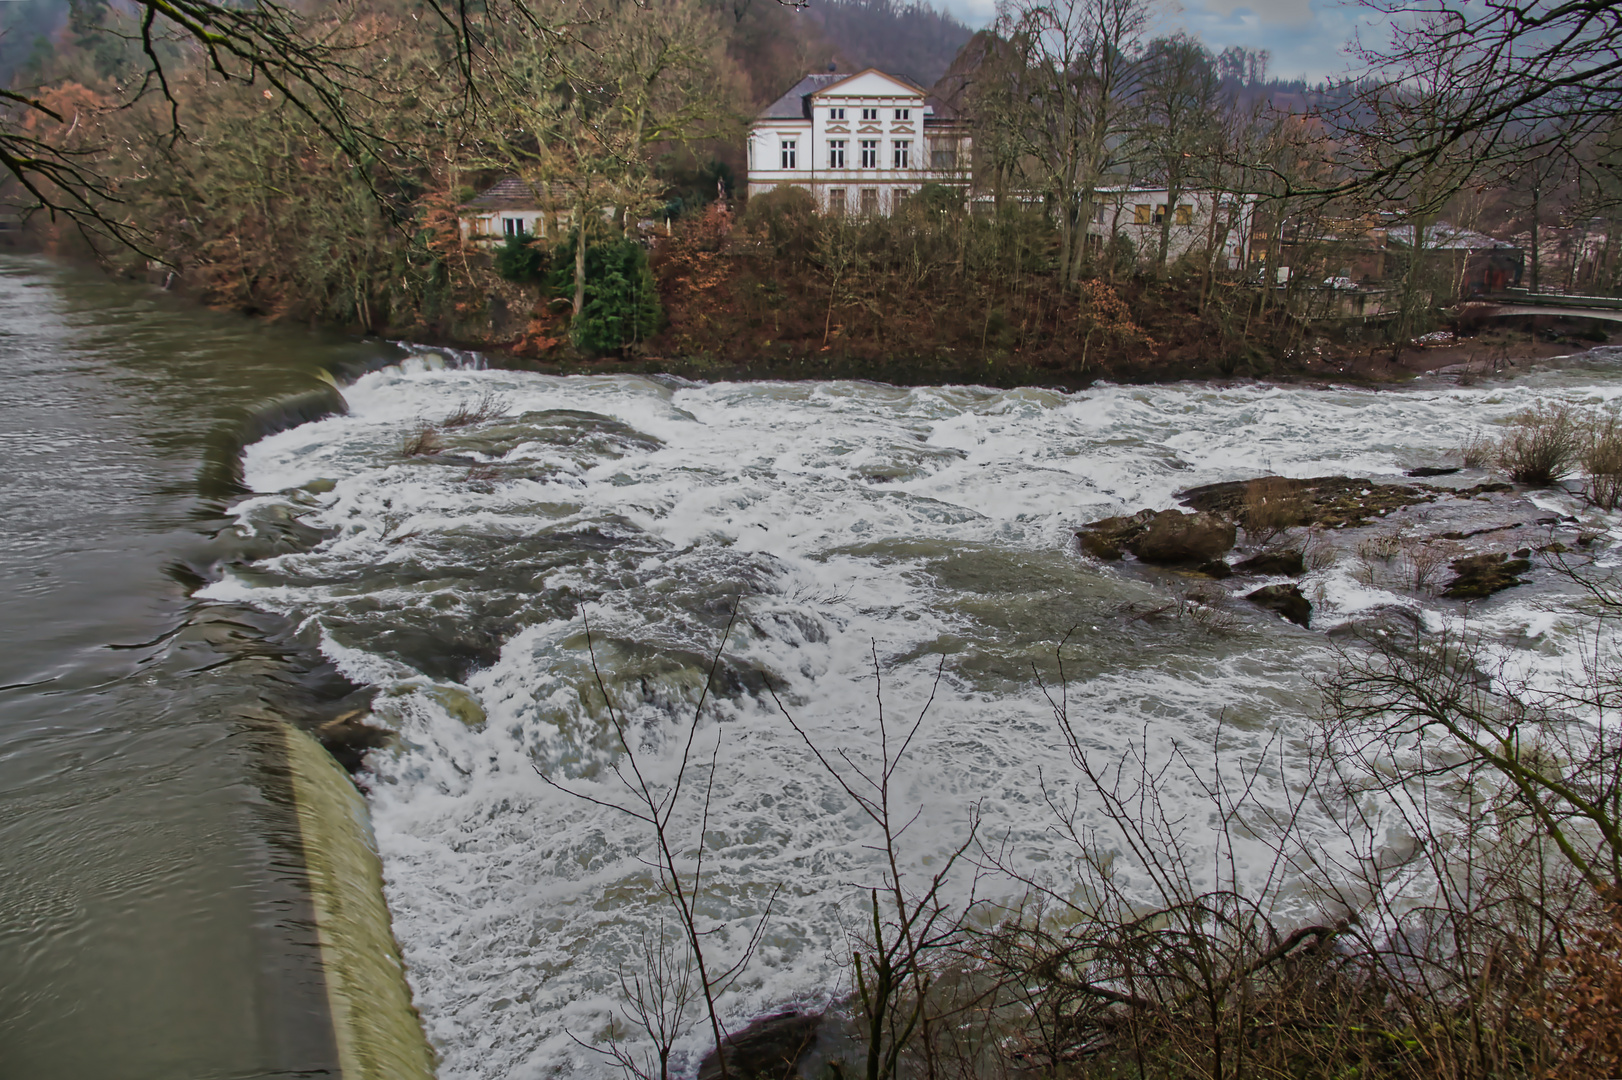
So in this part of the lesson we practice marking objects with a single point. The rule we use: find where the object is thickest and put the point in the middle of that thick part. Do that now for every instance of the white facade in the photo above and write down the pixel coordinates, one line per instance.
(859, 143)
(1137, 213)
(500, 224)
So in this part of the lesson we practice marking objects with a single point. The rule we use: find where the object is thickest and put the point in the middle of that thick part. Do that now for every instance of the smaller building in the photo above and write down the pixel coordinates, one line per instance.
(511, 207)
(858, 143)
(1474, 262)
(1198, 219)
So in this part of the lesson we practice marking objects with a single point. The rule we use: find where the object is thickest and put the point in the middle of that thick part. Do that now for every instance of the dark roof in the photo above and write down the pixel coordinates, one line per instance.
(794, 104)
(510, 193)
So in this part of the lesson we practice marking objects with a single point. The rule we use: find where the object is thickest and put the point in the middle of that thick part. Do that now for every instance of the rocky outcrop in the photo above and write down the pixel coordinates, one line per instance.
(1269, 563)
(1173, 537)
(768, 1049)
(1483, 575)
(1107, 539)
(1325, 501)
(1169, 538)
(1284, 599)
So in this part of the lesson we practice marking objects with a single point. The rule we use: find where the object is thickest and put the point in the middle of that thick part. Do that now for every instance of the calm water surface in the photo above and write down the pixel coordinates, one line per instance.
(151, 914)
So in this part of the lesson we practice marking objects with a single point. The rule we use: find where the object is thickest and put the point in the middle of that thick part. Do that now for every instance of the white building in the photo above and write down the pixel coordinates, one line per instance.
(510, 208)
(859, 143)
(1137, 213)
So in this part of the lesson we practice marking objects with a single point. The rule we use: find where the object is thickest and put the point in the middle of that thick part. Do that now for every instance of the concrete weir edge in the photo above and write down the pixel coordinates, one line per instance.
(378, 1032)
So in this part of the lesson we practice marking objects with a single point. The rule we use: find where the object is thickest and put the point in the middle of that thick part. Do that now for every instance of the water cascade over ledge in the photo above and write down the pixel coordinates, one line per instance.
(931, 527)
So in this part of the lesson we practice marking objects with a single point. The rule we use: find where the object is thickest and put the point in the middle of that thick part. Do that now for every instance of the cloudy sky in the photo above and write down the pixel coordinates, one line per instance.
(1306, 37)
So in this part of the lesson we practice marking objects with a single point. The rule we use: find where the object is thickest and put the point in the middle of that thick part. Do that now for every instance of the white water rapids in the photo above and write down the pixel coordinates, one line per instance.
(931, 525)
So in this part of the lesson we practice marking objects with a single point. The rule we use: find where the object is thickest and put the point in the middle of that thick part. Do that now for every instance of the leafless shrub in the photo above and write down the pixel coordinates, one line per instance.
(1542, 446)
(1375, 555)
(489, 406)
(1271, 506)
(1423, 559)
(658, 1003)
(1602, 461)
(1201, 608)
(1477, 451)
(910, 925)
(424, 441)
(1318, 552)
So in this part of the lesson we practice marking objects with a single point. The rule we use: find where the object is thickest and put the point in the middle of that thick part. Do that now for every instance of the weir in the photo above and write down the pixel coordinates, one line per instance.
(378, 1033)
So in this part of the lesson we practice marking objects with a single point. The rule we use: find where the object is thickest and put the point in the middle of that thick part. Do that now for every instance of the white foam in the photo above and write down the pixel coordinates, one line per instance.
(516, 903)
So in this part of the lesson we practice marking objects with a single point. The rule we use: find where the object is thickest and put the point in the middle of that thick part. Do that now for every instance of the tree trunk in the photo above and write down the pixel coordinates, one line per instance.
(580, 260)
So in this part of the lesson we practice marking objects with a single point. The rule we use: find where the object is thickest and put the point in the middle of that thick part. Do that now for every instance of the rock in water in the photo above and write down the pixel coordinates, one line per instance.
(1284, 599)
(348, 738)
(1108, 538)
(1174, 537)
(768, 1049)
(1289, 563)
(1483, 575)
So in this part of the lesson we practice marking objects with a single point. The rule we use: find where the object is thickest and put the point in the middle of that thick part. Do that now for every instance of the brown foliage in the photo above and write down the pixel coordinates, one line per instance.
(1585, 1012)
(1271, 505)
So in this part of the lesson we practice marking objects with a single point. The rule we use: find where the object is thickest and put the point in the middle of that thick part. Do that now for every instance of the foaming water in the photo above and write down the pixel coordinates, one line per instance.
(930, 527)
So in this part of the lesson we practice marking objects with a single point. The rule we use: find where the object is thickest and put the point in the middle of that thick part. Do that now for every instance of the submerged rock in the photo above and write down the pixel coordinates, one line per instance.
(1433, 470)
(1483, 575)
(348, 737)
(1173, 537)
(768, 1049)
(1289, 563)
(1284, 599)
(1216, 568)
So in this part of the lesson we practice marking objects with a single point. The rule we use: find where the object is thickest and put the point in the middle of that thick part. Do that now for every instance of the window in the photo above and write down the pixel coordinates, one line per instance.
(901, 194)
(1185, 214)
(1160, 213)
(1142, 214)
(836, 200)
(836, 153)
(512, 226)
(903, 114)
(943, 160)
(836, 114)
(870, 153)
(870, 114)
(903, 153)
(790, 146)
(870, 200)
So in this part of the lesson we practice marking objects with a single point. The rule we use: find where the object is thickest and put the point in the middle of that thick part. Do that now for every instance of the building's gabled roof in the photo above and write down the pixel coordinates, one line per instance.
(841, 79)
(1445, 236)
(510, 193)
(794, 105)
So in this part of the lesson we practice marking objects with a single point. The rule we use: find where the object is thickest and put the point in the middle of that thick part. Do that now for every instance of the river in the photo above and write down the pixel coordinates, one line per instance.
(153, 917)
(838, 545)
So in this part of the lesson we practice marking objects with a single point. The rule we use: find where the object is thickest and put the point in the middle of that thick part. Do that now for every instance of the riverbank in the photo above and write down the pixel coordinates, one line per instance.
(1498, 352)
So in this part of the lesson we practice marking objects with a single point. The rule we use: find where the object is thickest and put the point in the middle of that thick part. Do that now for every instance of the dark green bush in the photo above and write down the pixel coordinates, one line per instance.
(621, 305)
(522, 260)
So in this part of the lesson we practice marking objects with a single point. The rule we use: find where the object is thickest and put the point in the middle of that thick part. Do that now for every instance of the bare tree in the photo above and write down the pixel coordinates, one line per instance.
(659, 997)
(1064, 100)
(892, 968)
(1178, 121)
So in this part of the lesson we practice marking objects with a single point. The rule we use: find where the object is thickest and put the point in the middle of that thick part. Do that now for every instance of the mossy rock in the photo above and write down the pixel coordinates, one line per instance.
(1483, 575)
